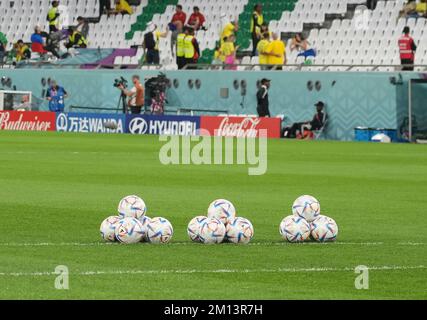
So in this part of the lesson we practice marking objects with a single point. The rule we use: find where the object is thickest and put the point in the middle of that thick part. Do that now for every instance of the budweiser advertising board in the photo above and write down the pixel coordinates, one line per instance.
(241, 126)
(27, 121)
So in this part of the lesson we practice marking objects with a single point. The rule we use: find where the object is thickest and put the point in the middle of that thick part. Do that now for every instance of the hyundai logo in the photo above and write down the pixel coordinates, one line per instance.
(138, 126)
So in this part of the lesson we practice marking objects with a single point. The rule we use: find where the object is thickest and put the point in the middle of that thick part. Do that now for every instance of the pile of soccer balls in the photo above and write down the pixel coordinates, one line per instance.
(220, 225)
(131, 225)
(306, 222)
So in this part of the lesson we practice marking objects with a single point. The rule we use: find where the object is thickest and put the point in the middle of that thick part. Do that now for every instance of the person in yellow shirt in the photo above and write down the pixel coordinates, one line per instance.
(276, 51)
(257, 21)
(229, 29)
(422, 8)
(123, 7)
(228, 51)
(262, 46)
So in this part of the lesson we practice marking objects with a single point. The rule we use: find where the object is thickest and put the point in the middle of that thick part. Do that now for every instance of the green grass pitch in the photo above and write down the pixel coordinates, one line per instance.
(55, 189)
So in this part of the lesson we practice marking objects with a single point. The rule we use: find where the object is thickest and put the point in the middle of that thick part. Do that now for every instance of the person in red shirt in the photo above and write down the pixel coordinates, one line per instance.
(179, 15)
(407, 50)
(197, 19)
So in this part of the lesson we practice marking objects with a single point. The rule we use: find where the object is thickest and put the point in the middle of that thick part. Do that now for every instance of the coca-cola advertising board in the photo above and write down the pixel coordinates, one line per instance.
(27, 121)
(241, 127)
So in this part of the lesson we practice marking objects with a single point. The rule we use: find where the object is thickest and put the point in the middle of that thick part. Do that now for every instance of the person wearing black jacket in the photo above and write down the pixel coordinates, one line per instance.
(262, 99)
(316, 123)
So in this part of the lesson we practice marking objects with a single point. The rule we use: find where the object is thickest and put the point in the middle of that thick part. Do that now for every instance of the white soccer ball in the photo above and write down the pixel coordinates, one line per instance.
(129, 230)
(222, 209)
(193, 229)
(239, 230)
(324, 229)
(160, 230)
(107, 228)
(132, 206)
(294, 229)
(306, 207)
(212, 231)
(145, 221)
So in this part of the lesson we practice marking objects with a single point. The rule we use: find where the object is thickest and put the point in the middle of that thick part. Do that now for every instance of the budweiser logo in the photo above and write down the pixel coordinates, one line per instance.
(21, 124)
(246, 127)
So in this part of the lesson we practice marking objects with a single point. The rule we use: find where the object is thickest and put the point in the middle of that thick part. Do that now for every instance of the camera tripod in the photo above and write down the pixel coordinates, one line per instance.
(122, 103)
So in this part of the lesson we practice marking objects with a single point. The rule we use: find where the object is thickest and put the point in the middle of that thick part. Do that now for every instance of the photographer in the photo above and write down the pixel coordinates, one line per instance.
(135, 95)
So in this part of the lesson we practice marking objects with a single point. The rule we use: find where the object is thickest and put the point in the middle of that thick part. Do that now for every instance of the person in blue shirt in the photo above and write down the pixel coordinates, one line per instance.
(56, 95)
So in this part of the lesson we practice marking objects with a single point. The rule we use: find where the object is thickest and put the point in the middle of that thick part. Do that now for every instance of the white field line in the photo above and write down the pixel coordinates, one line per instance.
(195, 271)
(97, 244)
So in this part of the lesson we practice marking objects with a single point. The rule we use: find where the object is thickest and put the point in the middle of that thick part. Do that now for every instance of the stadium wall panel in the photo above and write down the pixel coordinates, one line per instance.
(352, 98)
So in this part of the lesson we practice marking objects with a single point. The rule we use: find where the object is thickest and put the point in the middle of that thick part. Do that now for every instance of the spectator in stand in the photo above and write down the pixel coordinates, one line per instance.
(299, 43)
(122, 7)
(197, 19)
(151, 44)
(256, 22)
(422, 8)
(407, 50)
(228, 51)
(409, 10)
(179, 15)
(303, 130)
(56, 95)
(23, 52)
(276, 51)
(38, 41)
(218, 57)
(229, 28)
(75, 39)
(3, 44)
(53, 17)
(261, 48)
(83, 26)
(104, 7)
(180, 48)
(192, 50)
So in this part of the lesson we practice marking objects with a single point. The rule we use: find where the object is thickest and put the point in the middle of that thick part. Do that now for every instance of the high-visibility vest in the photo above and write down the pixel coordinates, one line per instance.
(51, 16)
(180, 45)
(405, 47)
(260, 21)
(189, 47)
(81, 41)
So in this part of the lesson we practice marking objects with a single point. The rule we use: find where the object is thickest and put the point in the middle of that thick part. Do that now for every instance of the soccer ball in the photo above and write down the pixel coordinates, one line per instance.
(129, 230)
(193, 229)
(222, 209)
(212, 231)
(145, 221)
(239, 230)
(306, 207)
(107, 228)
(160, 230)
(324, 229)
(132, 206)
(294, 229)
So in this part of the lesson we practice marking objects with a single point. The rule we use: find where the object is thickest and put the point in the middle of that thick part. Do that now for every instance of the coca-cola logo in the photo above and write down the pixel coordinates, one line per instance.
(22, 121)
(245, 127)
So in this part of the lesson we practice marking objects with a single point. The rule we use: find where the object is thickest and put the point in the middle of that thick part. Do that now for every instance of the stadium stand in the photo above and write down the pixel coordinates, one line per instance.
(344, 33)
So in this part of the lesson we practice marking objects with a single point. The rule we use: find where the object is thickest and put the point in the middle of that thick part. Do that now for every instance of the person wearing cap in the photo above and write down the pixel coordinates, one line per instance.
(304, 129)
(407, 50)
(262, 99)
(151, 44)
(53, 17)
